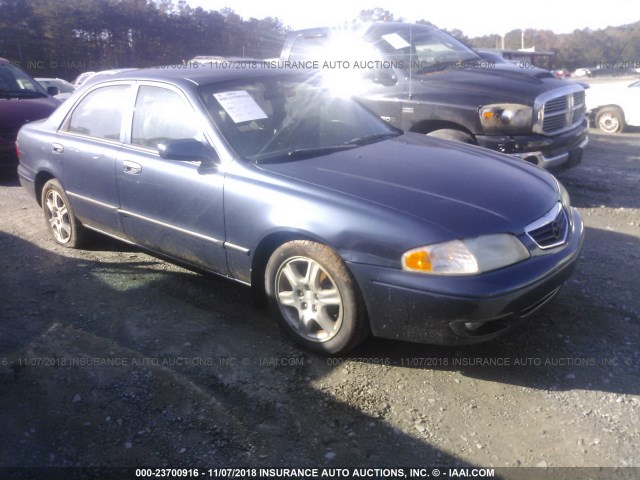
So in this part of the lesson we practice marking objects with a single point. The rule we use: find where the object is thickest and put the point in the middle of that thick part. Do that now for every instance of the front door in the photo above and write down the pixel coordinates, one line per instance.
(170, 206)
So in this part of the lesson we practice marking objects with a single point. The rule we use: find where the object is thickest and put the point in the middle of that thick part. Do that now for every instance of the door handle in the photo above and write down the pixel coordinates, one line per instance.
(131, 168)
(57, 148)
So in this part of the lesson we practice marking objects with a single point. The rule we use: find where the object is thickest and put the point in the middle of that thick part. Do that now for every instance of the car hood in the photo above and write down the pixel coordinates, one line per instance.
(513, 83)
(15, 112)
(464, 189)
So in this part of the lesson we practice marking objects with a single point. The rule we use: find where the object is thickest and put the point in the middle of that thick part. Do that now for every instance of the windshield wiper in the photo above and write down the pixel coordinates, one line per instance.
(372, 138)
(304, 153)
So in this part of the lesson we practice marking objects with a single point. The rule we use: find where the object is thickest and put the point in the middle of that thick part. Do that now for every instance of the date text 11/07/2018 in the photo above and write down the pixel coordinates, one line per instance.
(269, 473)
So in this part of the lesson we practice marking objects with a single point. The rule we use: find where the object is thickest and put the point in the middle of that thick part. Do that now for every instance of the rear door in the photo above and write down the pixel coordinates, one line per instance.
(88, 144)
(170, 206)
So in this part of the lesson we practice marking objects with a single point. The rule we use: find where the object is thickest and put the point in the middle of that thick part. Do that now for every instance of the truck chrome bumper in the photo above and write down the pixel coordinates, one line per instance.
(566, 159)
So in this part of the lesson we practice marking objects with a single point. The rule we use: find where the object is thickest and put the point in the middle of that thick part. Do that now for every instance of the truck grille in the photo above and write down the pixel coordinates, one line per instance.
(560, 111)
(551, 230)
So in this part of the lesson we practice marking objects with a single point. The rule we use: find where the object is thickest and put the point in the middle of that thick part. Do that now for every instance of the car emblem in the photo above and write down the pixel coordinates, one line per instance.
(555, 228)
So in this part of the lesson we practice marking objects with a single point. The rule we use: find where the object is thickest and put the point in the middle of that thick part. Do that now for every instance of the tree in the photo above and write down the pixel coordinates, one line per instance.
(375, 15)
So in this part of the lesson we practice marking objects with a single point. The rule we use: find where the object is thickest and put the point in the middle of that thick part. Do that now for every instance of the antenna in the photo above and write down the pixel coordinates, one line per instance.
(410, 61)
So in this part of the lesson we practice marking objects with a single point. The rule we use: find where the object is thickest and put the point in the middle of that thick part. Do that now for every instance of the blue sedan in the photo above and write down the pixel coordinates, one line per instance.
(348, 226)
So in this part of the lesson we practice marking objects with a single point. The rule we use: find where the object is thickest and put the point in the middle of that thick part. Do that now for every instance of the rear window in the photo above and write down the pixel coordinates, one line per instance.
(100, 113)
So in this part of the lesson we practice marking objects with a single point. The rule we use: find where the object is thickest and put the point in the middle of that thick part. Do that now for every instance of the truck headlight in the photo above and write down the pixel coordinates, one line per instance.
(466, 257)
(506, 118)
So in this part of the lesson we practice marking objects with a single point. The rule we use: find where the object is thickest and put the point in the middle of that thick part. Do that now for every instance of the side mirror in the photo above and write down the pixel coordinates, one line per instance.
(53, 91)
(187, 150)
(384, 77)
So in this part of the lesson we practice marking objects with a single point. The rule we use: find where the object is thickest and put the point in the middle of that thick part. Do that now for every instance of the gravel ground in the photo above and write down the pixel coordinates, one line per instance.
(112, 357)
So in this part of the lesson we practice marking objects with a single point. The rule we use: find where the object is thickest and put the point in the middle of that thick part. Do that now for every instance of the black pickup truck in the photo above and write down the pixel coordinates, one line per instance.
(421, 79)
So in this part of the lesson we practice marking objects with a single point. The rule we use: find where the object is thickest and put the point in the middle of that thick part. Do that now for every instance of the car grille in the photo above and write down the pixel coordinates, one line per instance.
(551, 230)
(562, 112)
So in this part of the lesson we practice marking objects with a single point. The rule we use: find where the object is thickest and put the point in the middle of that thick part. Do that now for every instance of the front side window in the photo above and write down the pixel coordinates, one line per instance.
(100, 113)
(423, 47)
(162, 115)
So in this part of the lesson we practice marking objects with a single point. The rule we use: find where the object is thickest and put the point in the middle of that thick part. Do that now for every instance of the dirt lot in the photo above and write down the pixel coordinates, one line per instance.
(111, 357)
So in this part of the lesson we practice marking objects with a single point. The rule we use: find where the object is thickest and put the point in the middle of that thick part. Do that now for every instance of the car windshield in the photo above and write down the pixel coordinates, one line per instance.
(423, 48)
(279, 119)
(16, 83)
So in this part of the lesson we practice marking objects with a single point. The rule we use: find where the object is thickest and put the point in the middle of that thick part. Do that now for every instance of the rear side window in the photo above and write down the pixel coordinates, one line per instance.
(100, 113)
(162, 115)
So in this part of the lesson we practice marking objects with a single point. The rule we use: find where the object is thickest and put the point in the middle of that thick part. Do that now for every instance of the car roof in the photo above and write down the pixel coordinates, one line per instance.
(207, 74)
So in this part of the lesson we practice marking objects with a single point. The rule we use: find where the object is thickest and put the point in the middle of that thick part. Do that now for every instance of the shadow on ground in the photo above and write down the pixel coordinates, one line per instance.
(201, 378)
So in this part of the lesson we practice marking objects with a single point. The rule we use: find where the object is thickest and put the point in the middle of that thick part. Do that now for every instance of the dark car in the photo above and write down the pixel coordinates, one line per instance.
(423, 80)
(349, 225)
(22, 100)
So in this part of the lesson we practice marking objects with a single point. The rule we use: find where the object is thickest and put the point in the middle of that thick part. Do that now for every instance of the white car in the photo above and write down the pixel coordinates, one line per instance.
(65, 89)
(80, 79)
(612, 106)
(582, 72)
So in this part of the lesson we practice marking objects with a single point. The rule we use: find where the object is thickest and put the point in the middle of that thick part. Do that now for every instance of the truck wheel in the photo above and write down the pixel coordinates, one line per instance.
(453, 135)
(315, 297)
(610, 120)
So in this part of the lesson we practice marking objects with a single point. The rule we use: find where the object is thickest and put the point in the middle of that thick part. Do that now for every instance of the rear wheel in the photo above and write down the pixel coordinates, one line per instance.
(610, 120)
(315, 297)
(65, 229)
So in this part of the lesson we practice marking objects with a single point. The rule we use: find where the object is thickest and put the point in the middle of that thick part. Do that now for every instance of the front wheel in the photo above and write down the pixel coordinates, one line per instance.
(610, 120)
(64, 227)
(315, 297)
(453, 135)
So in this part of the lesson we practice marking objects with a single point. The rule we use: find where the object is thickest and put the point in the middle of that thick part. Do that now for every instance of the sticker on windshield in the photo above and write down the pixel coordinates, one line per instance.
(240, 106)
(396, 41)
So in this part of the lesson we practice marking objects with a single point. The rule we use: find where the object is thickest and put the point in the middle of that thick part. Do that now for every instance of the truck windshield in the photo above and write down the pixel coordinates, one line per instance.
(280, 119)
(420, 47)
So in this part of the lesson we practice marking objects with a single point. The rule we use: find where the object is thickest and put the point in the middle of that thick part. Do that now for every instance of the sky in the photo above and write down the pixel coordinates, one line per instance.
(473, 17)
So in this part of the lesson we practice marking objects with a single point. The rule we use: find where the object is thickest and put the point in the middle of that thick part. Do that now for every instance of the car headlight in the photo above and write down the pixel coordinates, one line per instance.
(506, 118)
(466, 257)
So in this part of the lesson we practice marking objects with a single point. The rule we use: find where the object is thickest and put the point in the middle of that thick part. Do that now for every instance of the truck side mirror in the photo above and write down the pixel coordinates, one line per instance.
(383, 76)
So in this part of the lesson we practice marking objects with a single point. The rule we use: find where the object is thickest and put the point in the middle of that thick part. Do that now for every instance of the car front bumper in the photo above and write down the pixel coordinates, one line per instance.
(459, 310)
(551, 153)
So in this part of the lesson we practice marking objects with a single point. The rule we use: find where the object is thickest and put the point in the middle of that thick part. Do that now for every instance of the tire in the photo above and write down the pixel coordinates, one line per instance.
(63, 226)
(315, 297)
(610, 120)
(453, 135)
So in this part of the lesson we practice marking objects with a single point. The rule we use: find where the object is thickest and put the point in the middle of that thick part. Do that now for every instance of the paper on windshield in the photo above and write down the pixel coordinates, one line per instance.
(240, 106)
(396, 41)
